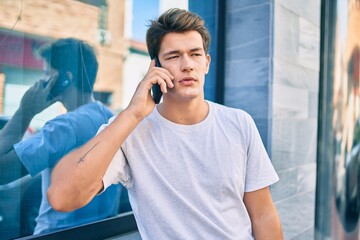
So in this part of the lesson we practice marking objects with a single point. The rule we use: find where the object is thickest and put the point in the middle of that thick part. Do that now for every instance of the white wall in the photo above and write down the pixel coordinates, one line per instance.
(166, 4)
(135, 68)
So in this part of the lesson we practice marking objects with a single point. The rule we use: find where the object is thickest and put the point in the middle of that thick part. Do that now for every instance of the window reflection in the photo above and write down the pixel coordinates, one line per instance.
(118, 40)
(346, 117)
(70, 67)
(347, 129)
(76, 35)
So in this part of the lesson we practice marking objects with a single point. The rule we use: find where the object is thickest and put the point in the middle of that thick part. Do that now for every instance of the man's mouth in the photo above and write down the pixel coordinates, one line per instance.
(187, 81)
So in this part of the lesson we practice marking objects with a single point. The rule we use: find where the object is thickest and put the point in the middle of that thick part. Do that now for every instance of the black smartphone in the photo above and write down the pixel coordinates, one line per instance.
(156, 91)
(62, 82)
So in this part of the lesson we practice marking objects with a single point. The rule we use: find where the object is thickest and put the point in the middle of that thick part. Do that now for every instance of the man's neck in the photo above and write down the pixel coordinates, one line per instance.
(80, 100)
(185, 113)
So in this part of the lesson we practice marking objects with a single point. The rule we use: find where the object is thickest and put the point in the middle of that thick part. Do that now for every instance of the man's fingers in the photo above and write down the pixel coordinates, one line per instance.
(165, 77)
(163, 86)
(160, 76)
(152, 64)
(52, 81)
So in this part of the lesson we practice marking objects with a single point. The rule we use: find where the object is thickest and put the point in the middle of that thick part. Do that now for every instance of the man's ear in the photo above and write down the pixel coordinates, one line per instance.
(208, 60)
(69, 75)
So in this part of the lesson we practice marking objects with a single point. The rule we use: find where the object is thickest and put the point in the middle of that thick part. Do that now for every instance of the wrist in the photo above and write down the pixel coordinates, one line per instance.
(25, 114)
(132, 114)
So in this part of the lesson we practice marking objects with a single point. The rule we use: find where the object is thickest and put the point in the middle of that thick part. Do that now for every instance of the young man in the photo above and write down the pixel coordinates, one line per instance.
(194, 169)
(71, 69)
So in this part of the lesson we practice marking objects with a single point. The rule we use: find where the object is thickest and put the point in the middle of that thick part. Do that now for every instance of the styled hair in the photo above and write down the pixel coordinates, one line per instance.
(76, 56)
(175, 20)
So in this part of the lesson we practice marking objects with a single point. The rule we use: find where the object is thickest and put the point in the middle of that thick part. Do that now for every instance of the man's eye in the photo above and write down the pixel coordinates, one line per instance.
(172, 57)
(196, 54)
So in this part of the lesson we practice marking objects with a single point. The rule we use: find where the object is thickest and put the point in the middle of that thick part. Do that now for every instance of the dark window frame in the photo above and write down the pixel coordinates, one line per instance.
(121, 225)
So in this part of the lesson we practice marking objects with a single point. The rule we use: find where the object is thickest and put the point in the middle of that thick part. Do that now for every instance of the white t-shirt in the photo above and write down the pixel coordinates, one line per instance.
(188, 181)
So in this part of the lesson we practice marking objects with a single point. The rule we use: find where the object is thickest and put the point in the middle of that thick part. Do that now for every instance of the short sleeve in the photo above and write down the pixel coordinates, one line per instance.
(59, 136)
(260, 172)
(46, 147)
(118, 172)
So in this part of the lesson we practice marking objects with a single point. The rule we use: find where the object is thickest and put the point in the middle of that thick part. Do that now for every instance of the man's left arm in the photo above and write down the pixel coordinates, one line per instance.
(264, 217)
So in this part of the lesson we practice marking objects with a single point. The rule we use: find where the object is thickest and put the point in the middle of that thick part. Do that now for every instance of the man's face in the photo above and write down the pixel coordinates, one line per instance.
(184, 56)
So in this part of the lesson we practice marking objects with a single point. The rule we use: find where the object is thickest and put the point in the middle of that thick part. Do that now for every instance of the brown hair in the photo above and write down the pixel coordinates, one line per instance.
(175, 20)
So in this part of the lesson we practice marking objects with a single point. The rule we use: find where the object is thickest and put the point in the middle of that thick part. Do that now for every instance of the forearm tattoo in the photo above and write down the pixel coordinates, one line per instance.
(83, 157)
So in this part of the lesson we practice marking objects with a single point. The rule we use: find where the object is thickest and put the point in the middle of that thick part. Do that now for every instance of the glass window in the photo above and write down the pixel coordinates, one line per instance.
(56, 58)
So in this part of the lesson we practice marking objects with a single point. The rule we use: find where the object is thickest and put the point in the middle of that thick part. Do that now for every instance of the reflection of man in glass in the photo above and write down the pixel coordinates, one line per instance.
(71, 67)
(352, 151)
(347, 123)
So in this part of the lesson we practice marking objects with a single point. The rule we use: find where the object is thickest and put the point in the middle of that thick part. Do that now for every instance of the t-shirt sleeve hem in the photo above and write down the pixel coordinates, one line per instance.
(33, 172)
(256, 187)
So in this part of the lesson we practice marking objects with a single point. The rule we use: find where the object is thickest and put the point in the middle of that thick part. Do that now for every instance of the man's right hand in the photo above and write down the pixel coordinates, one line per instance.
(36, 99)
(142, 103)
(78, 176)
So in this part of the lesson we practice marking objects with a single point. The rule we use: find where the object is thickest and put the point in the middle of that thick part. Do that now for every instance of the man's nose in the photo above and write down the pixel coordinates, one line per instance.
(186, 64)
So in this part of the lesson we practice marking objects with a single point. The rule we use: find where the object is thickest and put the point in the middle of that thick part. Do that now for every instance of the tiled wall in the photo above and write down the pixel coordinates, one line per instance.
(248, 61)
(272, 72)
(294, 113)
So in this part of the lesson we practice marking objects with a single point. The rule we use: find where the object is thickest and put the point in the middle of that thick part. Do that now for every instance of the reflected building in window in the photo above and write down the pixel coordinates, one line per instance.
(338, 195)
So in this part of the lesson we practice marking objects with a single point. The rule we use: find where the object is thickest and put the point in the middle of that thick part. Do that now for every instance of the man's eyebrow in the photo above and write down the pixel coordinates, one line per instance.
(171, 52)
(196, 49)
(178, 51)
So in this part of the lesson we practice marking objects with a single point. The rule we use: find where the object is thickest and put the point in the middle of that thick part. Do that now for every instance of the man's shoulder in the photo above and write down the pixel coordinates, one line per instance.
(95, 110)
(95, 107)
(88, 115)
(220, 109)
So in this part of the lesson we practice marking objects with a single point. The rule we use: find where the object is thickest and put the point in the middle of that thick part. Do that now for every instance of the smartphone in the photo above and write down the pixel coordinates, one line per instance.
(156, 91)
(62, 82)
